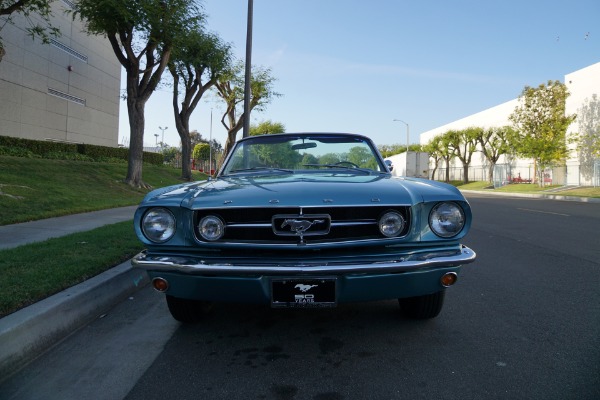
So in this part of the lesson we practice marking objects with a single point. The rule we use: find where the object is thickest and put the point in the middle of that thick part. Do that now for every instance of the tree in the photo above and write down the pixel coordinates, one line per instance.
(387, 150)
(433, 148)
(201, 151)
(362, 157)
(494, 143)
(27, 8)
(142, 34)
(447, 152)
(195, 138)
(230, 88)
(541, 124)
(267, 128)
(464, 144)
(200, 56)
(279, 155)
(170, 154)
(331, 158)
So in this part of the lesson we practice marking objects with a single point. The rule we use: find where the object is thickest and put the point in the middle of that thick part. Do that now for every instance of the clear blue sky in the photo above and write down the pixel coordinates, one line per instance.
(355, 66)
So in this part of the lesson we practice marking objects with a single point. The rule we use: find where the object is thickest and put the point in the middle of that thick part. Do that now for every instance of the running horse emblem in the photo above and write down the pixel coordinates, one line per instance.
(300, 225)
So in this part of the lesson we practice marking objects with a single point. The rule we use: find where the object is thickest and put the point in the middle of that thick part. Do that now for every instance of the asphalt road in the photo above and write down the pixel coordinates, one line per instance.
(523, 322)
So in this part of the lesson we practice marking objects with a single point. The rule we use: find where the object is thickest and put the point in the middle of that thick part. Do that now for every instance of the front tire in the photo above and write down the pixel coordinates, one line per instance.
(423, 307)
(187, 311)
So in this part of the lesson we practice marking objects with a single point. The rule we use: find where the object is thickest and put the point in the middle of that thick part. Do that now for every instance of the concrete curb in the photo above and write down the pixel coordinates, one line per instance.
(29, 332)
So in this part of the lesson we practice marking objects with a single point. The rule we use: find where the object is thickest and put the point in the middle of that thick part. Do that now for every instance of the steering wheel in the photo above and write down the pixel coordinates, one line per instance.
(347, 163)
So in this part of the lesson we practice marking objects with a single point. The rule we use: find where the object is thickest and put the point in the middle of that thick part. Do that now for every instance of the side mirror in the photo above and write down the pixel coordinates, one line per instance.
(389, 165)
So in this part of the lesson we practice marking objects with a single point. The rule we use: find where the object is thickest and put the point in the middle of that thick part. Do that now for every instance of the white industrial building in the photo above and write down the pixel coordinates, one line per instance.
(65, 91)
(584, 87)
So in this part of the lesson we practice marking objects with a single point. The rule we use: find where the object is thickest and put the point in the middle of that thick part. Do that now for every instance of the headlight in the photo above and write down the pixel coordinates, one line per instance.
(446, 219)
(158, 225)
(391, 224)
(211, 228)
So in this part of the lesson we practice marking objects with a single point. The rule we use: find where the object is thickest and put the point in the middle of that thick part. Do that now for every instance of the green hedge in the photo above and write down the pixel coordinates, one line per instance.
(12, 146)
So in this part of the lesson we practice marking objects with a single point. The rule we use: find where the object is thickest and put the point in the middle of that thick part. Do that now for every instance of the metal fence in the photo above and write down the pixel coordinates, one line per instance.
(524, 172)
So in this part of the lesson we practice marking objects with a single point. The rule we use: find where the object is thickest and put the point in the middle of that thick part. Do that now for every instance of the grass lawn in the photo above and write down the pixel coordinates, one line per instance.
(32, 189)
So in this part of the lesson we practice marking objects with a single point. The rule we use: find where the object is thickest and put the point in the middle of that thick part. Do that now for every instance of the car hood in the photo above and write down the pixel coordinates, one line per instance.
(303, 189)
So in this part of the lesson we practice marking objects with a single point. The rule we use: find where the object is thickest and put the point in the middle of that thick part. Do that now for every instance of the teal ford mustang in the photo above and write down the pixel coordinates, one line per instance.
(303, 220)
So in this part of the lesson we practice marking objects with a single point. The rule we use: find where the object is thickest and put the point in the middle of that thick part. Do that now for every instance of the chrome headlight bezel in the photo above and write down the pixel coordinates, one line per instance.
(158, 225)
(391, 224)
(211, 228)
(447, 219)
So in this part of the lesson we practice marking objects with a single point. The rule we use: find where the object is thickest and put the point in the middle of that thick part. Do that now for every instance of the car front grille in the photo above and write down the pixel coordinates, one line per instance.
(296, 225)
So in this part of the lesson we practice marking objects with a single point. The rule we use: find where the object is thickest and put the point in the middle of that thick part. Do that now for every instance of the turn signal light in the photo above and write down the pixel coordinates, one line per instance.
(160, 284)
(449, 279)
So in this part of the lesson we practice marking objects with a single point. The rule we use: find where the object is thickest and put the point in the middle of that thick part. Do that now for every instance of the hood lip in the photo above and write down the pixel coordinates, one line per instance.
(228, 192)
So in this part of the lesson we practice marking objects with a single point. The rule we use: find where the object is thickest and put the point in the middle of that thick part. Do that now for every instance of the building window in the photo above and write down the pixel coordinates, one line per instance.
(65, 96)
(69, 3)
(69, 50)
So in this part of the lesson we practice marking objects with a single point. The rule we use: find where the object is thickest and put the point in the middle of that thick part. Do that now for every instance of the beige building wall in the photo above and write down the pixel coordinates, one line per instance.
(65, 91)
(584, 101)
(584, 87)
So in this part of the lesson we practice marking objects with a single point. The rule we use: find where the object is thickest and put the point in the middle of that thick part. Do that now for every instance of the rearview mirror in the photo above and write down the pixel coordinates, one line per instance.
(302, 146)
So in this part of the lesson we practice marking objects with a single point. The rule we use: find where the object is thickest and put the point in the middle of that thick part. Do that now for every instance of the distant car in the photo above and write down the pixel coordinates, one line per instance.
(303, 220)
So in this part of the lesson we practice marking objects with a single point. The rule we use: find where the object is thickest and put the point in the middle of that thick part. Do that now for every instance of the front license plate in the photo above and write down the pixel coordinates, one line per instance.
(303, 292)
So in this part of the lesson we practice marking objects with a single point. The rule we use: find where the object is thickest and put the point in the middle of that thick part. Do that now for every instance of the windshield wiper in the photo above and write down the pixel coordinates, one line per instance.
(339, 166)
(255, 169)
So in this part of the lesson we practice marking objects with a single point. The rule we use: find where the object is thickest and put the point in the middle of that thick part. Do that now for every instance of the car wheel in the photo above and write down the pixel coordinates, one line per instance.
(423, 307)
(187, 311)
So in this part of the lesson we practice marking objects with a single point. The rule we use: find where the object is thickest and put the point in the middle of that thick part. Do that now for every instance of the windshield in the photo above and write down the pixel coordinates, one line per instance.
(292, 153)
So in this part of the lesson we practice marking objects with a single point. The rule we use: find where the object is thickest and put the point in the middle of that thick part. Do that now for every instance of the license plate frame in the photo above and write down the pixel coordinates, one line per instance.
(304, 292)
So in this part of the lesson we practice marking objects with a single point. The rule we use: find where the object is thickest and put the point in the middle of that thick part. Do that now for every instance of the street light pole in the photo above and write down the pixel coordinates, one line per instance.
(407, 133)
(210, 146)
(248, 75)
(162, 144)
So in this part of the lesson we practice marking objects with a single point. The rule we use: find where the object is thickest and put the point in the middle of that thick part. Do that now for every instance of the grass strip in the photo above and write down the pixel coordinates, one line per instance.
(32, 272)
(530, 188)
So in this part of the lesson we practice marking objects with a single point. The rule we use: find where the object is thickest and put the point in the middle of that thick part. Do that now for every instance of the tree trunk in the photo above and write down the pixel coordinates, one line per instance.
(186, 155)
(465, 173)
(231, 138)
(433, 173)
(491, 173)
(233, 129)
(541, 168)
(136, 143)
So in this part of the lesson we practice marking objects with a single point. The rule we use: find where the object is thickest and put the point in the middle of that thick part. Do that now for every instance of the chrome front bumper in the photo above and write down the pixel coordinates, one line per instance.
(200, 266)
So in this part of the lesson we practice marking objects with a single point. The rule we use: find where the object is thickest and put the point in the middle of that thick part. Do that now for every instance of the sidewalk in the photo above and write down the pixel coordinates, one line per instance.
(38, 231)
(29, 332)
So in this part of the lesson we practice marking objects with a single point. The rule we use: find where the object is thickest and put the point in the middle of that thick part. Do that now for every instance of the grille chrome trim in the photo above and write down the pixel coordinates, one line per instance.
(262, 226)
